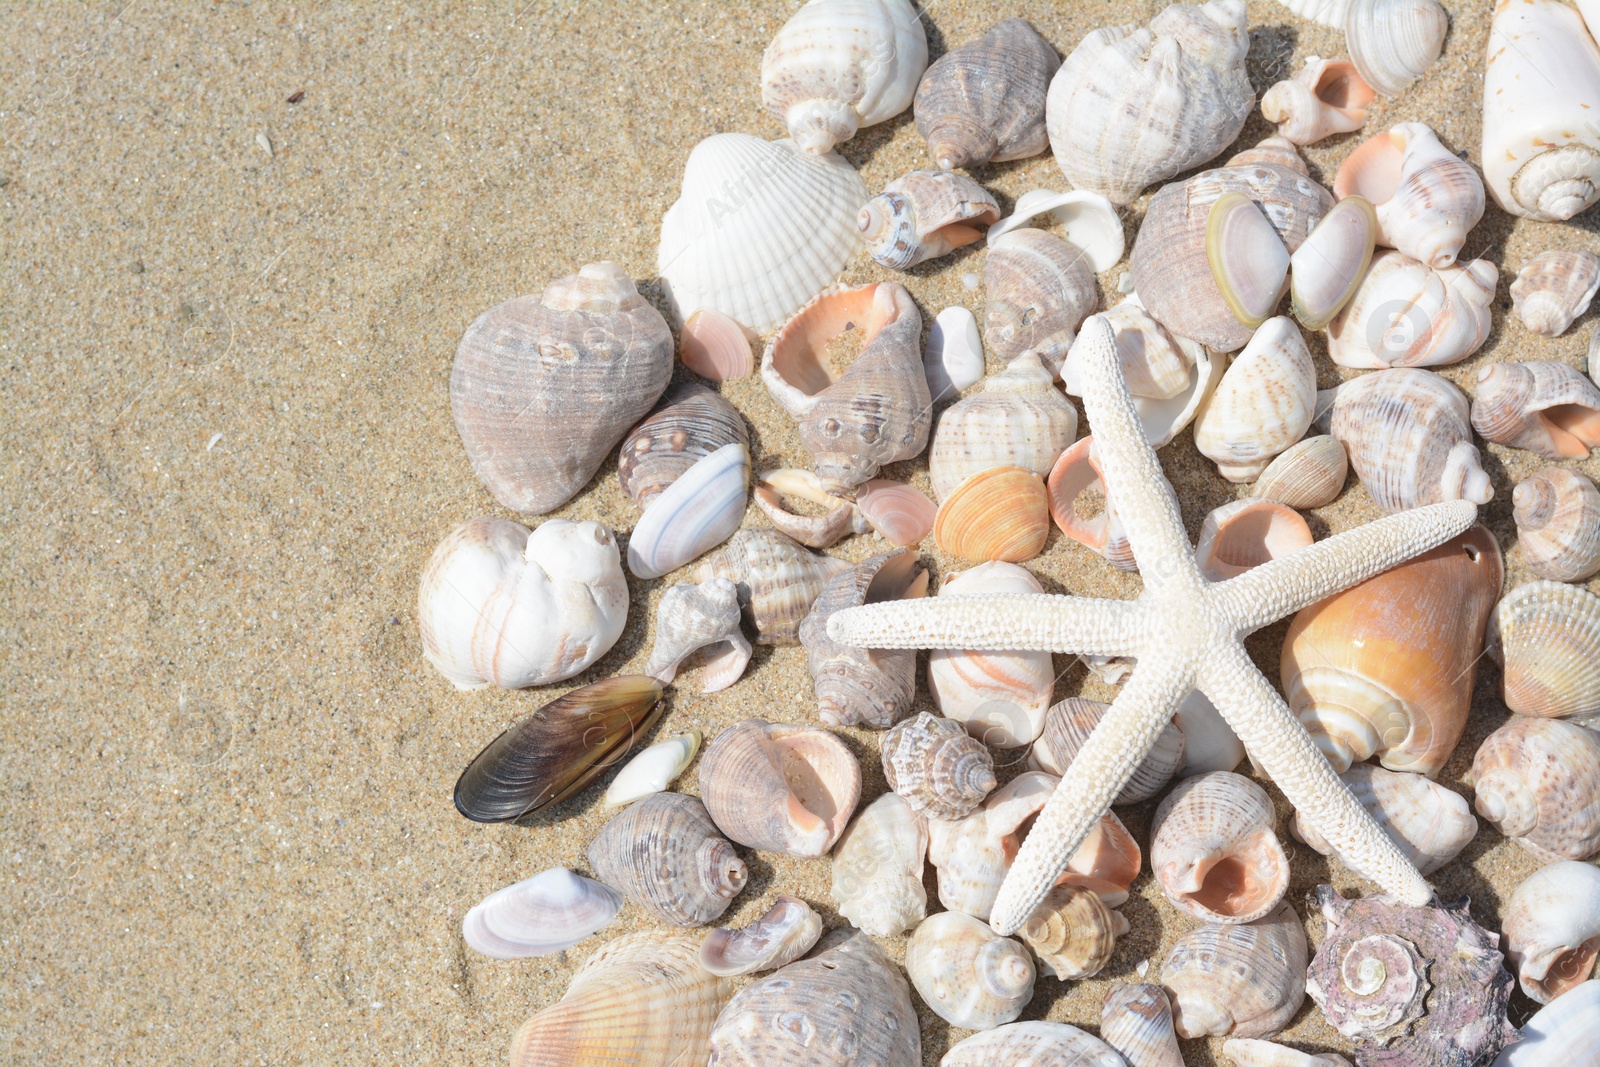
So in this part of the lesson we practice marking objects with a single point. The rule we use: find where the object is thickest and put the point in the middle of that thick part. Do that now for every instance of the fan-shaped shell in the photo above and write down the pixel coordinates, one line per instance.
(689, 423)
(1426, 197)
(1067, 727)
(924, 215)
(1038, 289)
(941, 770)
(900, 513)
(999, 514)
(1019, 419)
(877, 868)
(784, 934)
(1034, 1044)
(1072, 932)
(1538, 782)
(1429, 823)
(693, 515)
(984, 100)
(665, 854)
(968, 974)
(1554, 288)
(1552, 929)
(777, 581)
(857, 686)
(1306, 475)
(1546, 637)
(1394, 42)
(1557, 512)
(1327, 96)
(1214, 852)
(1544, 407)
(781, 788)
(1239, 979)
(1567, 1033)
(695, 617)
(538, 916)
(653, 769)
(1136, 1020)
(1408, 314)
(1264, 403)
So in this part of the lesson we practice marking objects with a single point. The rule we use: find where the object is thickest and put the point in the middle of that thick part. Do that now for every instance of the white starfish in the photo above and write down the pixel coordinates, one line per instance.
(1186, 633)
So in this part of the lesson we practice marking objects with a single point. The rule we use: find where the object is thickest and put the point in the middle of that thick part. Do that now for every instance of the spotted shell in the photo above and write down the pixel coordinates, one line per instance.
(1557, 512)
(687, 424)
(1538, 782)
(776, 579)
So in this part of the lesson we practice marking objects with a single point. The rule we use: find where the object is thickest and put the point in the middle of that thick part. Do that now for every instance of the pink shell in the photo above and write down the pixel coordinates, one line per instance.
(898, 512)
(715, 346)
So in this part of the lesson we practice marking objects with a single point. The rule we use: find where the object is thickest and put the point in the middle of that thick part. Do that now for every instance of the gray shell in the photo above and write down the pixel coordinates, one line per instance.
(666, 855)
(984, 100)
(857, 686)
(788, 789)
(937, 767)
(689, 423)
(1038, 289)
(777, 580)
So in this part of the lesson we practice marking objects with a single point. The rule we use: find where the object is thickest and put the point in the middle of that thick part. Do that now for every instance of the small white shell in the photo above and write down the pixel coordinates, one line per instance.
(877, 868)
(1407, 314)
(695, 617)
(968, 974)
(1429, 823)
(1426, 197)
(538, 916)
(1214, 852)
(1088, 221)
(1326, 271)
(1326, 97)
(1555, 288)
(653, 769)
(1552, 929)
(953, 357)
(1393, 42)
(784, 934)
(1565, 1033)
(1249, 261)
(1264, 404)
(1251, 1052)
(693, 515)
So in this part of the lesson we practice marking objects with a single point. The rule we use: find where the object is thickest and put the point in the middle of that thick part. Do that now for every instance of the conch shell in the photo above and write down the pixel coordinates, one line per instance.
(1557, 512)
(856, 686)
(1408, 314)
(1239, 979)
(984, 100)
(1426, 196)
(1136, 1020)
(924, 215)
(877, 868)
(1067, 727)
(1213, 849)
(786, 789)
(1538, 782)
(942, 771)
(1544, 407)
(700, 620)
(1546, 637)
(1555, 288)
(1072, 932)
(969, 975)
(1264, 403)
(1019, 420)
(1037, 1044)
(777, 581)
(1038, 290)
(1326, 97)
(1552, 928)
(665, 854)
(1429, 823)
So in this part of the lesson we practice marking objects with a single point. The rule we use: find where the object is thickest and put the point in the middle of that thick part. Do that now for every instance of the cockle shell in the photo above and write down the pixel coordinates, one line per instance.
(1541, 85)
(544, 386)
(1248, 260)
(1326, 271)
(1248, 1052)
(877, 868)
(1088, 221)
(1214, 852)
(1425, 196)
(857, 686)
(1544, 407)
(776, 579)
(900, 513)
(1407, 314)
(1408, 437)
(500, 605)
(969, 975)
(781, 788)
(664, 854)
(653, 769)
(1393, 42)
(924, 215)
(1552, 929)
(1386, 667)
(700, 619)
(814, 531)
(1000, 697)
(1038, 289)
(952, 360)
(642, 998)
(1565, 1033)
(1078, 472)
(689, 423)
(1546, 637)
(1002, 513)
(846, 1005)
(693, 515)
(1072, 932)
(538, 916)
(784, 934)
(1326, 97)
(1429, 823)
(1033, 1044)
(1240, 979)
(1306, 475)
(1538, 782)
(1557, 512)
(1136, 1020)
(1264, 403)
(1554, 288)
(759, 228)
(838, 65)
(942, 771)
(1135, 105)
(878, 410)
(984, 100)
(715, 346)
(1020, 419)
(1420, 986)
(1067, 727)
(1247, 533)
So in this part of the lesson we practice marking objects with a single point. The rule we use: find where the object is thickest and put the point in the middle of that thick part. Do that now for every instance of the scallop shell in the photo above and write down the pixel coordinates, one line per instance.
(689, 423)
(1248, 260)
(664, 854)
(998, 514)
(1538, 782)
(1088, 221)
(1306, 475)
(1038, 289)
(759, 228)
(1264, 403)
(1548, 408)
(1247, 533)
(1000, 697)
(1426, 197)
(1075, 473)
(1408, 437)
(1546, 637)
(787, 789)
(1326, 97)
(924, 215)
(1019, 420)
(642, 998)
(653, 769)
(1067, 727)
(784, 934)
(701, 619)
(845, 1005)
(1386, 667)
(1567, 1032)
(1072, 932)
(1033, 1044)
(1239, 979)
(984, 100)
(879, 409)
(1246, 1052)
(814, 531)
(776, 579)
(838, 65)
(897, 512)
(1394, 42)
(969, 975)
(1429, 823)
(877, 868)
(1135, 105)
(1553, 289)
(559, 749)
(1552, 929)
(940, 770)
(1326, 271)
(953, 358)
(1136, 1020)
(539, 916)
(857, 686)
(693, 515)
(1557, 512)
(715, 346)
(1407, 314)
(1213, 849)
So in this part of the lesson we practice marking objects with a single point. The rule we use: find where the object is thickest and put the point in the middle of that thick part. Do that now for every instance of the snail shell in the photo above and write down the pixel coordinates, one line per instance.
(1326, 97)
(1429, 823)
(984, 100)
(1248, 1052)
(1306, 475)
(1078, 472)
(941, 770)
(1067, 727)
(780, 788)
(1567, 1033)
(1557, 512)
(1247, 533)
(689, 423)
(969, 975)
(1239, 979)
(1547, 639)
(1019, 419)
(1393, 42)
(777, 581)
(539, 916)
(1214, 852)
(857, 686)
(814, 531)
(1554, 288)
(700, 619)
(1035, 1044)
(877, 868)
(1264, 403)
(1136, 1020)
(1426, 197)
(1548, 408)
(1038, 289)
(665, 854)
(1155, 366)
(1072, 932)
(924, 215)
(1552, 928)
(1538, 782)
(653, 769)
(784, 934)
(1405, 313)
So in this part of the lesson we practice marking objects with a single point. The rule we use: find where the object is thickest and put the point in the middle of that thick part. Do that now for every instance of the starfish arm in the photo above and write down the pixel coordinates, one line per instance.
(1146, 504)
(1097, 773)
(1286, 752)
(995, 622)
(1279, 588)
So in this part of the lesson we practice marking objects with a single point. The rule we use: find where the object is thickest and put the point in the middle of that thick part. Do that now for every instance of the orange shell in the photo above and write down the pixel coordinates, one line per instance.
(998, 514)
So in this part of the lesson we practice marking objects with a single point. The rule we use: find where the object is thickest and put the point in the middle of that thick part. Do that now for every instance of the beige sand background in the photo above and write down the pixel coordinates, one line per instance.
(228, 323)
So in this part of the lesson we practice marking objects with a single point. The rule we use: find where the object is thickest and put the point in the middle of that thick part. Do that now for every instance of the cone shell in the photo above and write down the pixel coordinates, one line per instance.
(1248, 1052)
(924, 215)
(1407, 314)
(653, 769)
(1557, 512)
(538, 916)
(1244, 980)
(642, 998)
(1036, 1044)
(1067, 727)
(1247, 533)
(1135, 105)
(1429, 823)
(998, 514)
(1075, 473)
(784, 934)
(814, 531)
(1548, 408)
(1214, 852)
(715, 346)
(1306, 475)
(857, 686)
(1136, 1020)
(759, 228)
(1019, 419)
(1326, 271)
(665, 854)
(693, 515)
(878, 411)
(1563, 1033)
(1552, 929)
(1393, 42)
(940, 770)
(1554, 288)
(776, 579)
(1326, 97)
(1546, 637)
(1386, 667)
(1538, 782)
(695, 617)
(1264, 404)
(1072, 932)
(877, 868)
(1426, 197)
(969, 975)
(846, 1005)
(786, 789)
(1249, 261)
(689, 423)
(1038, 289)
(898, 512)
(984, 100)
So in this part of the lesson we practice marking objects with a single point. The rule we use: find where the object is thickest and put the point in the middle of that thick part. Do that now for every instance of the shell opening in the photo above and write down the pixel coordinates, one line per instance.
(1241, 882)
(1373, 170)
(1339, 86)
(807, 350)
(1574, 428)
(1568, 971)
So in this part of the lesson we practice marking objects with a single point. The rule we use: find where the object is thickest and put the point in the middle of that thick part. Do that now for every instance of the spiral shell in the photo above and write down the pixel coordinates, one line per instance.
(1429, 823)
(924, 215)
(777, 581)
(700, 619)
(665, 854)
(968, 974)
(689, 423)
(1306, 475)
(856, 686)
(1557, 512)
(940, 770)
(1019, 420)
(1548, 408)
(1426, 197)
(1214, 852)
(1035, 1044)
(1136, 1020)
(877, 868)
(984, 100)
(1405, 313)
(1067, 727)
(1394, 42)
(784, 934)
(1326, 97)
(1072, 932)
(1264, 404)
(1154, 365)
(1538, 782)
(1554, 288)
(1239, 979)
(786, 789)
(1038, 289)
(1567, 1033)
(1552, 929)
(538, 916)
(1546, 637)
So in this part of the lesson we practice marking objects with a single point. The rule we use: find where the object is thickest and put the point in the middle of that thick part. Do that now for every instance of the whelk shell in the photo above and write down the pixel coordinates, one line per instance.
(840, 520)
(984, 100)
(1035, 1044)
(1067, 727)
(1557, 512)
(1038, 289)
(1554, 288)
(1306, 475)
(1393, 42)
(776, 579)
(968, 974)
(538, 916)
(1567, 1032)
(1546, 637)
(784, 934)
(1538, 782)
(1240, 979)
(1552, 928)
(1136, 1020)
(877, 868)
(1544, 407)
(1019, 419)
(1247, 533)
(1425, 196)
(700, 620)
(1250, 1052)
(693, 515)
(1326, 97)
(689, 423)
(1072, 932)
(857, 686)
(1213, 849)
(898, 512)
(1078, 472)
(1407, 314)
(924, 215)
(1249, 261)
(953, 358)
(1264, 403)
(1088, 221)
(664, 854)
(1326, 271)
(1429, 823)
(780, 788)
(937, 767)
(653, 769)
(715, 346)
(1000, 514)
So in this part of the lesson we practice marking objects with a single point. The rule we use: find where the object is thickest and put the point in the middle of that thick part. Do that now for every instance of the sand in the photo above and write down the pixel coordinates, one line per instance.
(240, 244)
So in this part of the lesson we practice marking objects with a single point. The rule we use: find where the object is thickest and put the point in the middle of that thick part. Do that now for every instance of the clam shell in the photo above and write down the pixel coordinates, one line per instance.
(1265, 402)
(693, 515)
(1326, 271)
(664, 854)
(1019, 420)
(1566, 1033)
(653, 769)
(857, 686)
(1135, 105)
(1247, 1052)
(924, 215)
(897, 512)
(559, 749)
(1407, 314)
(1538, 782)
(940, 770)
(715, 346)
(1249, 261)
(1038, 289)
(1088, 221)
(1306, 475)
(1394, 42)
(969, 975)
(692, 618)
(1554, 288)
(1425, 196)
(1247, 533)
(538, 916)
(1214, 852)
(1036, 1044)
(814, 531)
(1429, 823)
(780, 788)
(953, 358)
(1136, 1020)
(877, 868)
(776, 579)
(1067, 727)
(1548, 408)
(1557, 512)
(1075, 473)
(1072, 932)
(543, 387)
(1552, 929)
(998, 514)
(1326, 97)
(500, 605)
(1243, 980)
(984, 100)
(784, 934)
(759, 228)
(689, 423)
(1546, 637)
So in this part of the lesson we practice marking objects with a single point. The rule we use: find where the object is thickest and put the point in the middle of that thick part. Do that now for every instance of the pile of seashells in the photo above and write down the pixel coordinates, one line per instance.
(545, 388)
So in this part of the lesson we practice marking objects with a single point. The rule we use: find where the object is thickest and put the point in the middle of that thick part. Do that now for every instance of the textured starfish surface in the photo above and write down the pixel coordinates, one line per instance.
(1184, 632)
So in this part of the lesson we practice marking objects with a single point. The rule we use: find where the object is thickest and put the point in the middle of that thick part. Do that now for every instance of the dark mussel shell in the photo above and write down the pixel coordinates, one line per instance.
(558, 749)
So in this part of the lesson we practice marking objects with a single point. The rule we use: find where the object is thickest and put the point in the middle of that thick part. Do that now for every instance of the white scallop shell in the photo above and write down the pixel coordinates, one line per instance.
(653, 769)
(693, 515)
(538, 916)
(1088, 221)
